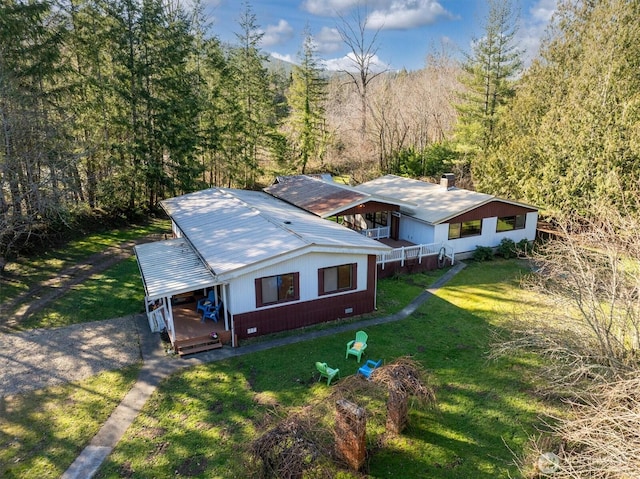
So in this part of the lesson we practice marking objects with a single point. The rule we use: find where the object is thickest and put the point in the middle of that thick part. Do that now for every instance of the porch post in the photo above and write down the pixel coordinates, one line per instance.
(224, 302)
(171, 328)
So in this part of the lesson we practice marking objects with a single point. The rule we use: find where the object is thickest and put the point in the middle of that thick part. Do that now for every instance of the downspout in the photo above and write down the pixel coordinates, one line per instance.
(375, 287)
(230, 318)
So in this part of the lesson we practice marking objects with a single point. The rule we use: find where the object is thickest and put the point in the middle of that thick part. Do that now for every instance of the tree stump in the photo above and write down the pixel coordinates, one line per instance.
(350, 433)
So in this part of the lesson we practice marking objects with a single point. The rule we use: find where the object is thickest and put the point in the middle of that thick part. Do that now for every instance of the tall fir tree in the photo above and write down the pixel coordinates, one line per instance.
(32, 157)
(306, 97)
(255, 109)
(570, 140)
(488, 78)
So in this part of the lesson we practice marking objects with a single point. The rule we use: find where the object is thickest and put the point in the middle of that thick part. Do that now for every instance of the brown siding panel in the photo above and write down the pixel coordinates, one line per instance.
(491, 209)
(428, 263)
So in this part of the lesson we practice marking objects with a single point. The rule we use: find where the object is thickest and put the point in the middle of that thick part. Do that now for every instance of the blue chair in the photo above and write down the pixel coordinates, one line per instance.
(368, 368)
(205, 303)
(212, 312)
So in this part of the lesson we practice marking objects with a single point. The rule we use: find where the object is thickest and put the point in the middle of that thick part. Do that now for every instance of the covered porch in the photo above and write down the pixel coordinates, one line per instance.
(192, 335)
(171, 301)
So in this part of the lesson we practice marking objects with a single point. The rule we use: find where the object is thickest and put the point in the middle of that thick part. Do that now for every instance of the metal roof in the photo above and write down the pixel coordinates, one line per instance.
(233, 230)
(171, 267)
(432, 203)
(318, 196)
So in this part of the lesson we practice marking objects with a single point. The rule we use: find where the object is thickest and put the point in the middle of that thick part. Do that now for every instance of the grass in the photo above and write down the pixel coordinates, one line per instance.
(114, 293)
(42, 432)
(393, 294)
(200, 421)
(26, 272)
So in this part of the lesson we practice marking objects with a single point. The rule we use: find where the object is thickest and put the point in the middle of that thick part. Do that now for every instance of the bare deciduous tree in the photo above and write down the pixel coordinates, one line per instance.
(363, 50)
(590, 336)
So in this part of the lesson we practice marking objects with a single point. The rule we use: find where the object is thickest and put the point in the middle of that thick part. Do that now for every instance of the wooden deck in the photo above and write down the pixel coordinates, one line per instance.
(396, 243)
(194, 336)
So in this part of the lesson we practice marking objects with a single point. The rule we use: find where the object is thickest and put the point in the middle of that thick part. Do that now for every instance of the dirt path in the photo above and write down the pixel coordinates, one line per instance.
(40, 295)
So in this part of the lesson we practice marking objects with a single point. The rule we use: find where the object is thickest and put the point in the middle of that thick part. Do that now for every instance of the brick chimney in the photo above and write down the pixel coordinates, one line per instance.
(448, 181)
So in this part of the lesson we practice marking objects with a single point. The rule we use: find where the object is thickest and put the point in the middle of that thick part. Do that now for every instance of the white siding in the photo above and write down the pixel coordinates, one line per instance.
(415, 231)
(489, 236)
(243, 288)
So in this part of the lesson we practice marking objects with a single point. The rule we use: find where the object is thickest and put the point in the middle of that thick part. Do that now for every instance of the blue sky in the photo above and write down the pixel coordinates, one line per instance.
(408, 29)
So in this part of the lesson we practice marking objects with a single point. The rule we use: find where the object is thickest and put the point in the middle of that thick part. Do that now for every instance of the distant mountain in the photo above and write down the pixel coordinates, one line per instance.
(276, 64)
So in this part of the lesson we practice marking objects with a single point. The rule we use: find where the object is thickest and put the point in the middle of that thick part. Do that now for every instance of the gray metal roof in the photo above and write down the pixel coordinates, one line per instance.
(432, 203)
(171, 267)
(233, 230)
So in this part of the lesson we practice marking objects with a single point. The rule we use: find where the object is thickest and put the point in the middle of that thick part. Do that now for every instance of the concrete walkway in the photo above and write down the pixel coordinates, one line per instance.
(157, 366)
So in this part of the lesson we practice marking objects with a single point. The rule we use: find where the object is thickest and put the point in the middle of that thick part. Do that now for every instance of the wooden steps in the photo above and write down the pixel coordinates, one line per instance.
(196, 345)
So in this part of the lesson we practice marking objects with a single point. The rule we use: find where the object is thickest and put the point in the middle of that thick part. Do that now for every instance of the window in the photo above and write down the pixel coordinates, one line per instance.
(464, 229)
(379, 218)
(337, 278)
(508, 223)
(277, 289)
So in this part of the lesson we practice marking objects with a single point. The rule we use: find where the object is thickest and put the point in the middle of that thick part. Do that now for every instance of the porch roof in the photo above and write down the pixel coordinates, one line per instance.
(325, 198)
(171, 267)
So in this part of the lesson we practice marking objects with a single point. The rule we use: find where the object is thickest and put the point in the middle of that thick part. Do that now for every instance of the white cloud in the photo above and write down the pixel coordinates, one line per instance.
(285, 58)
(328, 40)
(329, 8)
(543, 10)
(348, 63)
(405, 14)
(533, 29)
(277, 34)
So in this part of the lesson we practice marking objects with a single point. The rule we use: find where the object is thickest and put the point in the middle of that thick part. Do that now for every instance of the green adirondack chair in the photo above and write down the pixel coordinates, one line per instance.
(326, 372)
(357, 346)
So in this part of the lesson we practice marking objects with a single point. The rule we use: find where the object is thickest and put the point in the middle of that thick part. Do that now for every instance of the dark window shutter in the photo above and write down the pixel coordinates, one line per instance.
(258, 283)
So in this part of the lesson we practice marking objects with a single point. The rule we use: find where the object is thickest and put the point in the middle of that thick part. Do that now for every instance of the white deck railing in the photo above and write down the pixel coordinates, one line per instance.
(376, 233)
(416, 252)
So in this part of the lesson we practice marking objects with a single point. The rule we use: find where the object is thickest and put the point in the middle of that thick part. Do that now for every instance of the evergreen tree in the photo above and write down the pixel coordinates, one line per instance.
(32, 157)
(256, 113)
(489, 73)
(306, 97)
(570, 139)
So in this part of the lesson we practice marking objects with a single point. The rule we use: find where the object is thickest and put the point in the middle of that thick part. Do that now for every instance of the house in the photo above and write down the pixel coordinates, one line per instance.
(427, 224)
(308, 250)
(443, 213)
(273, 266)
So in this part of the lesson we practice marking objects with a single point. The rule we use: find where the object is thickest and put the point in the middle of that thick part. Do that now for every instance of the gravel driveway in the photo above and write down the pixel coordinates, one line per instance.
(39, 358)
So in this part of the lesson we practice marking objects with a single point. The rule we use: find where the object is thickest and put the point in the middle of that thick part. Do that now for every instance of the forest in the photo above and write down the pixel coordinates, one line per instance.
(108, 107)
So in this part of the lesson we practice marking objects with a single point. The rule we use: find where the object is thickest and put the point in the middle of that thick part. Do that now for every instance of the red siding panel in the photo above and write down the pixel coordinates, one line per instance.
(491, 209)
(411, 266)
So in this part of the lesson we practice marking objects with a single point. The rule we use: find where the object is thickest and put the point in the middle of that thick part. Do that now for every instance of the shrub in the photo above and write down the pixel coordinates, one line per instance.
(483, 253)
(523, 247)
(507, 248)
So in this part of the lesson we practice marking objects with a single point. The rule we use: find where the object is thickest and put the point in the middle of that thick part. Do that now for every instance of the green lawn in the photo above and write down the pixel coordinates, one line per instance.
(42, 432)
(113, 293)
(201, 421)
(26, 272)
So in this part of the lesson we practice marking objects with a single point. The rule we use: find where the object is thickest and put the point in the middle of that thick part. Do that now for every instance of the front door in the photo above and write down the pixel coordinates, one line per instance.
(395, 225)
